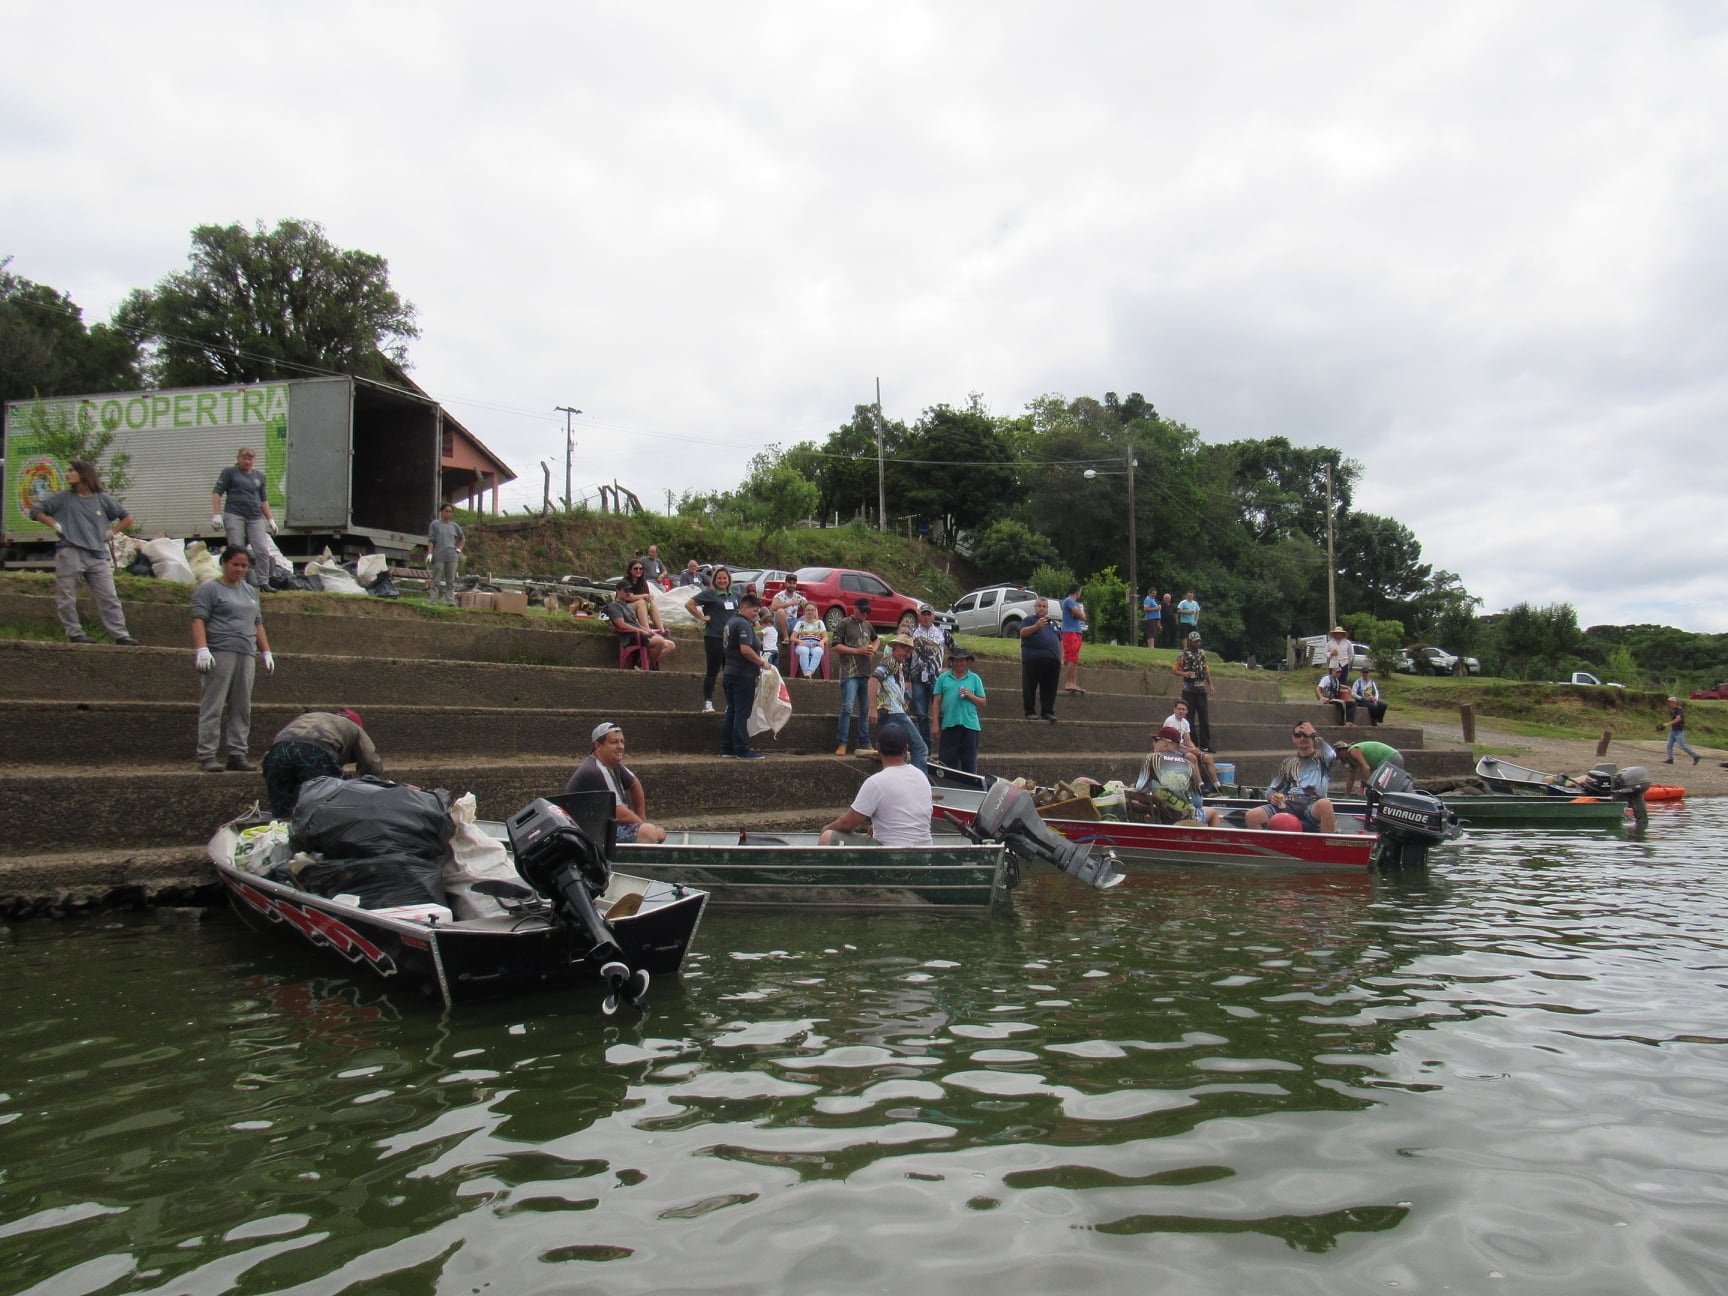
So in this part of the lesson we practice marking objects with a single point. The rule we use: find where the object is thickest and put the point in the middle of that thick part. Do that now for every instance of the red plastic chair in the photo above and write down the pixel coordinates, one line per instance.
(793, 670)
(633, 653)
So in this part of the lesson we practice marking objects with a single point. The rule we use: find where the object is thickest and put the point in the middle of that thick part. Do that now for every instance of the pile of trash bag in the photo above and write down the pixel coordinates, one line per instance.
(383, 842)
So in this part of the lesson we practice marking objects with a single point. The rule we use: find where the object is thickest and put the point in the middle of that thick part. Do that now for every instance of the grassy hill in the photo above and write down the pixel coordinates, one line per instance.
(594, 544)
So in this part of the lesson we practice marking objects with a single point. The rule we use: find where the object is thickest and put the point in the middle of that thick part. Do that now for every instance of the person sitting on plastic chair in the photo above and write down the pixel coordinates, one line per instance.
(629, 630)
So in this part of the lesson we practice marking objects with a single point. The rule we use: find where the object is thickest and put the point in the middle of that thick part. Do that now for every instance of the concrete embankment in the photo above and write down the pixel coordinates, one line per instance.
(101, 802)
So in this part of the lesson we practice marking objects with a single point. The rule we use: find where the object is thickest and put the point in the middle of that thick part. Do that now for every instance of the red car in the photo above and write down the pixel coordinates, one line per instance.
(834, 589)
(1720, 692)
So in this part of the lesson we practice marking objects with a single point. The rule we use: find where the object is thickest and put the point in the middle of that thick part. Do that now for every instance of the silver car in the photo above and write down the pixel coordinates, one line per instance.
(993, 610)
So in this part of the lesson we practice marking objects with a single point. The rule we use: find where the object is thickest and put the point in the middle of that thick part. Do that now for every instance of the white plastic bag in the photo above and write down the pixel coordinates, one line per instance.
(333, 578)
(370, 567)
(773, 706)
(262, 849)
(168, 559)
(475, 856)
(202, 562)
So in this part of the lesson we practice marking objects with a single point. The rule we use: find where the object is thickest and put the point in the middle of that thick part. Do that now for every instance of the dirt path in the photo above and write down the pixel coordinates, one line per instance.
(1571, 756)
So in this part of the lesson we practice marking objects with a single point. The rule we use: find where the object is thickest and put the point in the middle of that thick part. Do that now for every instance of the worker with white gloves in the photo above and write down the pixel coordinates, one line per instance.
(240, 509)
(227, 635)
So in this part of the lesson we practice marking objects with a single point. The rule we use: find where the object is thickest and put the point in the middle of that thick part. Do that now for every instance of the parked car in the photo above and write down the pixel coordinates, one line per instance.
(1720, 691)
(1430, 660)
(764, 582)
(993, 610)
(834, 589)
(1584, 679)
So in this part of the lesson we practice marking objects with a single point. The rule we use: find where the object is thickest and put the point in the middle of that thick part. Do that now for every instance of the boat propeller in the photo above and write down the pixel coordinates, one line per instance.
(624, 986)
(1009, 816)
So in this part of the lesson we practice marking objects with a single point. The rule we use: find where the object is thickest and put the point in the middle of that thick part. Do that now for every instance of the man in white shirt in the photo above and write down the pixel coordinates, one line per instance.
(894, 801)
(1178, 720)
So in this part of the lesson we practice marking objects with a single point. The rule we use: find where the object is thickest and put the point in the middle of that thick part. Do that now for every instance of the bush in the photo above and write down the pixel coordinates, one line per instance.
(1106, 599)
(1052, 581)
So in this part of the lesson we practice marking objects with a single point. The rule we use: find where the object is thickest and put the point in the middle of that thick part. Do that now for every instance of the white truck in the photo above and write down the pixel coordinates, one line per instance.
(350, 463)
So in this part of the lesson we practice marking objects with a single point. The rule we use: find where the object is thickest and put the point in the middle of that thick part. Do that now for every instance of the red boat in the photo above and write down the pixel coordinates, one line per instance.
(1187, 843)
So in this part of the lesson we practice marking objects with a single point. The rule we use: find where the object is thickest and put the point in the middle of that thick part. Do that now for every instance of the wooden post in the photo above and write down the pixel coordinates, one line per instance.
(1602, 743)
(1467, 718)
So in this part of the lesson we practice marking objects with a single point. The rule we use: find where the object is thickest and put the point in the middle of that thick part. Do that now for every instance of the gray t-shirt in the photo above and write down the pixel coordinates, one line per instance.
(242, 492)
(230, 614)
(443, 537)
(83, 519)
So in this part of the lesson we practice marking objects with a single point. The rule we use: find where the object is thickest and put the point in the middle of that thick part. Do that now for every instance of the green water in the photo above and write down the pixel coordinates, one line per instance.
(1509, 1078)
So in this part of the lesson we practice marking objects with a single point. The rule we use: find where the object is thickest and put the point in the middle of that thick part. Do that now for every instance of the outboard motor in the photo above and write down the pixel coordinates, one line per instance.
(1009, 816)
(1408, 821)
(563, 863)
(1627, 785)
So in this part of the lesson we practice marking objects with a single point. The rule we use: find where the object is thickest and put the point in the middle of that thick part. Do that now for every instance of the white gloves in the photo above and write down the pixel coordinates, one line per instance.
(204, 659)
(216, 521)
(269, 663)
(270, 525)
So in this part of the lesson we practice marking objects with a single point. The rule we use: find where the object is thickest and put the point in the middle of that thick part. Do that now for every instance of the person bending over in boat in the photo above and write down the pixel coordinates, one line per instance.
(1171, 778)
(1360, 760)
(316, 745)
(1303, 786)
(605, 771)
(894, 801)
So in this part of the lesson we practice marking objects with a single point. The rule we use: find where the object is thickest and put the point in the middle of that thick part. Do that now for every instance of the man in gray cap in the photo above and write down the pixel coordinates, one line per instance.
(887, 697)
(1196, 679)
(853, 646)
(605, 771)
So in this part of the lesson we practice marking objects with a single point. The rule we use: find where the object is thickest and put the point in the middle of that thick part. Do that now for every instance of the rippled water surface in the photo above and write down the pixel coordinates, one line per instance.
(1511, 1077)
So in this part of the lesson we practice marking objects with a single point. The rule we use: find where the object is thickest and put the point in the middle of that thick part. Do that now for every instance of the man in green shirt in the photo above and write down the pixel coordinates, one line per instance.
(1360, 760)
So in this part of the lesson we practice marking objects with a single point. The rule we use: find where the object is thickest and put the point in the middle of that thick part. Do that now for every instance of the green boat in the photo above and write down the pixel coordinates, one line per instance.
(1513, 811)
(790, 870)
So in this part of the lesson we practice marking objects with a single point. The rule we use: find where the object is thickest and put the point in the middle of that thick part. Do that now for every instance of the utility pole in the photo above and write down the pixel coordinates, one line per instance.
(1133, 555)
(881, 472)
(569, 447)
(1331, 561)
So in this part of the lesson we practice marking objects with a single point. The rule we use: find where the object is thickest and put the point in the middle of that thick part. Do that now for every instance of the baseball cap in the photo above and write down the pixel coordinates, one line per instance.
(861, 603)
(602, 729)
(923, 608)
(1170, 733)
(1193, 636)
(891, 740)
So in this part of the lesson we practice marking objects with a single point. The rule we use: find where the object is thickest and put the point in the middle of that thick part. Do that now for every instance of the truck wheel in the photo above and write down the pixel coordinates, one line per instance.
(1011, 628)
(832, 620)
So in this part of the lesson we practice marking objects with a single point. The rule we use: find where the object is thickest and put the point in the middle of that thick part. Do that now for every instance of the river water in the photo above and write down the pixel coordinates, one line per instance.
(1509, 1077)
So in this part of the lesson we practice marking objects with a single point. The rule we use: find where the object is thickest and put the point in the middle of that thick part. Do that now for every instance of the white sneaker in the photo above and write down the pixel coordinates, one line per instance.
(708, 707)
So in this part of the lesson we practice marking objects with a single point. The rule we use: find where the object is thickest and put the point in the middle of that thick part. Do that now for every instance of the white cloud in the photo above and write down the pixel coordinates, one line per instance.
(1473, 246)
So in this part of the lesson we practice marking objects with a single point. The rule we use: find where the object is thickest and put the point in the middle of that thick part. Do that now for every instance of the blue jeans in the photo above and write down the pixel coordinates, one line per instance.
(853, 694)
(919, 695)
(735, 727)
(1677, 738)
(919, 750)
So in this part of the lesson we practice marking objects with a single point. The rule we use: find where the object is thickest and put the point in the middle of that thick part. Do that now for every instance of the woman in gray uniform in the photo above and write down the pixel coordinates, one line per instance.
(227, 632)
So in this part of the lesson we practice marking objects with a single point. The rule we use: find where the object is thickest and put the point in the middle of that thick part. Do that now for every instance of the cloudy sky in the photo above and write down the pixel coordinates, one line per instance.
(1477, 246)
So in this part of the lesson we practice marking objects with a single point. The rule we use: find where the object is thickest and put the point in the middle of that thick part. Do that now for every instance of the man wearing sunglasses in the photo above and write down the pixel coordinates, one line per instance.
(1302, 786)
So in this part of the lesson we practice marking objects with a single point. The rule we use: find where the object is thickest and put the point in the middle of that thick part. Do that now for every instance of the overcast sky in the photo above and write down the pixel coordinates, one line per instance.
(1478, 247)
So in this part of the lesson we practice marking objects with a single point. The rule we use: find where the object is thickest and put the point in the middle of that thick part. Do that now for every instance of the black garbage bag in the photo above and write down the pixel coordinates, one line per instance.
(381, 881)
(383, 587)
(364, 818)
(140, 566)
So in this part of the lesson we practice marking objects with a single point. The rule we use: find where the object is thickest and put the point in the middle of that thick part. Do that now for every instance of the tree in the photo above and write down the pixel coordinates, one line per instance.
(844, 470)
(1008, 550)
(268, 304)
(775, 496)
(1532, 640)
(45, 349)
(956, 468)
(1382, 559)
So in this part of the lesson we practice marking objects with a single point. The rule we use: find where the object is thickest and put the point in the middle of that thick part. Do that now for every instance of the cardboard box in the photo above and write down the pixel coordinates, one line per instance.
(475, 599)
(517, 603)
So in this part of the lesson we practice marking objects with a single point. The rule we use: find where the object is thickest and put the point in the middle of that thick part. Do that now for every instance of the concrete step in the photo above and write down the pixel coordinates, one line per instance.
(90, 735)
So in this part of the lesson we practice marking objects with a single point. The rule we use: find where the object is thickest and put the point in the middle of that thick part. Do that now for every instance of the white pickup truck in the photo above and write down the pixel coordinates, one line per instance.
(1586, 680)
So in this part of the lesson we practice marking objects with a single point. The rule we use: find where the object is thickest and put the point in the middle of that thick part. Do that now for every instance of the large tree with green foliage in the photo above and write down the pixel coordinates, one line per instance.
(956, 468)
(46, 350)
(261, 304)
(1380, 562)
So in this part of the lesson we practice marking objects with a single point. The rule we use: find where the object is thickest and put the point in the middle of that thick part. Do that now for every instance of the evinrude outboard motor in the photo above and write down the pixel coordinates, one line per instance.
(1628, 785)
(1009, 816)
(1408, 821)
(564, 864)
